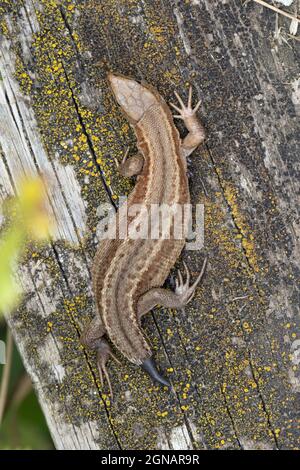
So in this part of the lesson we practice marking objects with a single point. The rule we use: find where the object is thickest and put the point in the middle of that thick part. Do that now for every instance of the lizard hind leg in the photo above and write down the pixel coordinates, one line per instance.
(92, 337)
(184, 292)
(104, 352)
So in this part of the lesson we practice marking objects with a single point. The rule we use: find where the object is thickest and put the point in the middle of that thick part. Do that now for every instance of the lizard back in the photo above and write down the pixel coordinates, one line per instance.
(124, 269)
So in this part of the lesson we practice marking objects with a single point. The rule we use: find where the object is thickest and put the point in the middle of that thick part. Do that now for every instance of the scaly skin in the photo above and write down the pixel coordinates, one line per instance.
(128, 273)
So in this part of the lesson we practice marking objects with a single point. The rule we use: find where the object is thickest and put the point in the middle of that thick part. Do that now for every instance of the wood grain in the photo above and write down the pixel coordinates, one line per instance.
(233, 355)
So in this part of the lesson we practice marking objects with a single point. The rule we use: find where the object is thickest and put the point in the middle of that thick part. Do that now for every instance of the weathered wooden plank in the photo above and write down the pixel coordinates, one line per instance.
(233, 354)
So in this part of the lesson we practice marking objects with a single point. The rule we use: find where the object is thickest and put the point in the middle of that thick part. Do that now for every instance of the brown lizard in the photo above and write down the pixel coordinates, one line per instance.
(128, 273)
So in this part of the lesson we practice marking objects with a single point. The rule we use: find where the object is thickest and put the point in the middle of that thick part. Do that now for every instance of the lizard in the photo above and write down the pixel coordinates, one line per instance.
(127, 274)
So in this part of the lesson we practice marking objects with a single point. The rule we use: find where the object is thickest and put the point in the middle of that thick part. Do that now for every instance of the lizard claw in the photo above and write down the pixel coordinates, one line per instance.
(123, 159)
(183, 289)
(185, 111)
(103, 354)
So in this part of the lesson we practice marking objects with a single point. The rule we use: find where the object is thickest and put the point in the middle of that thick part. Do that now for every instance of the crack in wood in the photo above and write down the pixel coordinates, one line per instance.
(231, 418)
(199, 395)
(263, 402)
(90, 144)
(85, 353)
(233, 60)
(188, 428)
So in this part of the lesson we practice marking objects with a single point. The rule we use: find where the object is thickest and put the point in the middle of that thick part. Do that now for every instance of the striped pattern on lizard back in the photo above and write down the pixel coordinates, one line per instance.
(132, 267)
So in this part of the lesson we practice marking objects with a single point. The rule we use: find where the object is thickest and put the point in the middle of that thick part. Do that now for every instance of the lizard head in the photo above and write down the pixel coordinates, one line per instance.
(133, 97)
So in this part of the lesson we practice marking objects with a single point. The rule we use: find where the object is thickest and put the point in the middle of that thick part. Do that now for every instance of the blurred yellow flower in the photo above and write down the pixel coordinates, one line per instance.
(32, 209)
(28, 221)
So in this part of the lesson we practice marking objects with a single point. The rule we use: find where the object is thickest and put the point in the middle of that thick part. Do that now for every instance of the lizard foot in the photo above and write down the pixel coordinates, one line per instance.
(118, 165)
(183, 289)
(130, 166)
(184, 111)
(103, 353)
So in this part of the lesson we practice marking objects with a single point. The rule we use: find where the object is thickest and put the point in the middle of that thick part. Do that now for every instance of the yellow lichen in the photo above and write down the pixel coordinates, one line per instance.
(247, 238)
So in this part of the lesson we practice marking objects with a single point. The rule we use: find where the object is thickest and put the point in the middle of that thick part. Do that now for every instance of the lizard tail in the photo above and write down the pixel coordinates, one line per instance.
(149, 366)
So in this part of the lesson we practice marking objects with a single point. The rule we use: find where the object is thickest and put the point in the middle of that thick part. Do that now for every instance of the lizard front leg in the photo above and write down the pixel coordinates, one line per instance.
(130, 166)
(196, 133)
(92, 337)
(166, 298)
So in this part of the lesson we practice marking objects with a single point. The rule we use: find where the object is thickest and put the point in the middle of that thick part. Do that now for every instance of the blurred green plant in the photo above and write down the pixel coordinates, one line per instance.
(28, 220)
(23, 425)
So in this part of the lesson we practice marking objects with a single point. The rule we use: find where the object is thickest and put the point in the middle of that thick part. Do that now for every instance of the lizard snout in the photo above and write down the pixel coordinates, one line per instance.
(133, 97)
(150, 367)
